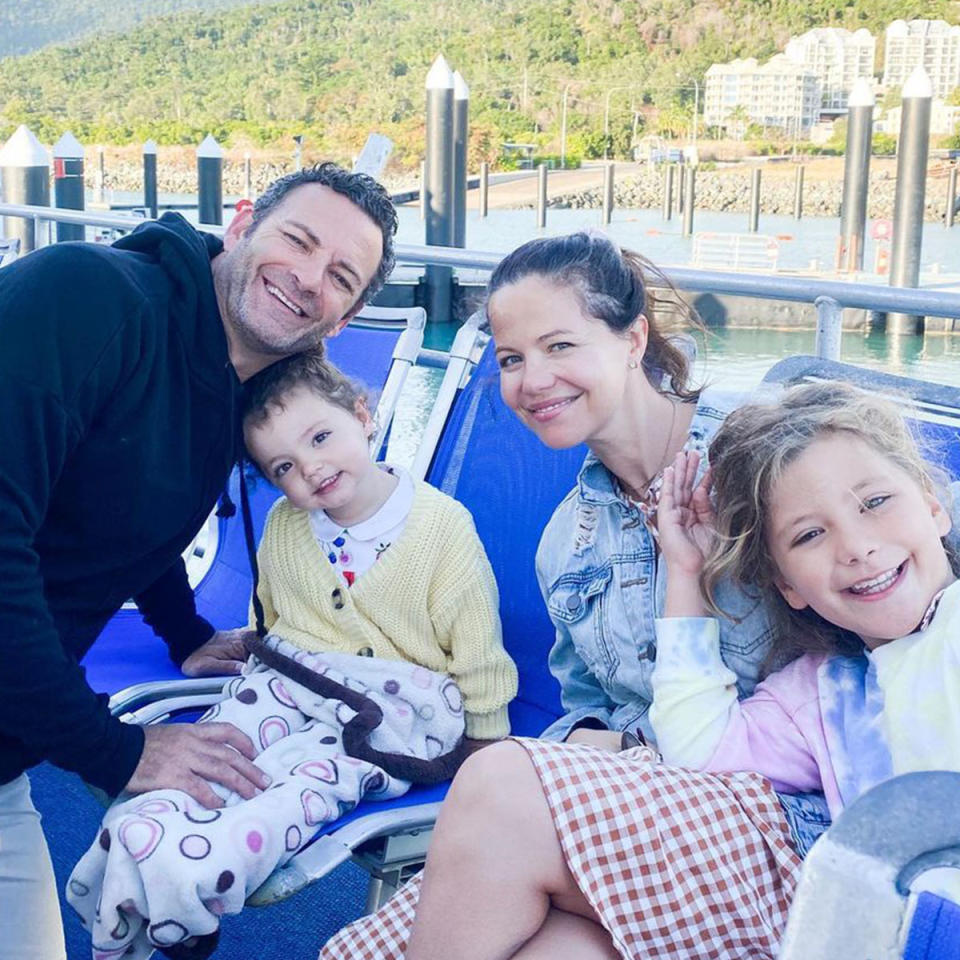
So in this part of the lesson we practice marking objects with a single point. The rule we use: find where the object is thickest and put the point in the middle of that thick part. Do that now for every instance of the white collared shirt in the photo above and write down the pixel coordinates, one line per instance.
(354, 550)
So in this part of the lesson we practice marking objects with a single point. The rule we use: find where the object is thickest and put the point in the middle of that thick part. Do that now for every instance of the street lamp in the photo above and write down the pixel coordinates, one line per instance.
(563, 129)
(696, 107)
(606, 112)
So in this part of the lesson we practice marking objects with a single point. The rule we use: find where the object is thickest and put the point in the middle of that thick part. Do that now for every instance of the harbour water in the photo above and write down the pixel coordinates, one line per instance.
(799, 242)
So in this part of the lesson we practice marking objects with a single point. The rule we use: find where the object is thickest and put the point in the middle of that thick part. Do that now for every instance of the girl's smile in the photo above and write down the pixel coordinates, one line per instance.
(857, 539)
(878, 587)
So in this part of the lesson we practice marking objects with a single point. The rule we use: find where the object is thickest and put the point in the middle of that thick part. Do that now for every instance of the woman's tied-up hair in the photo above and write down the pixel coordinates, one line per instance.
(749, 455)
(615, 286)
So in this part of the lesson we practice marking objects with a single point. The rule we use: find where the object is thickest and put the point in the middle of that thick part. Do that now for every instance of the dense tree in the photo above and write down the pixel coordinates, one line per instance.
(26, 25)
(335, 69)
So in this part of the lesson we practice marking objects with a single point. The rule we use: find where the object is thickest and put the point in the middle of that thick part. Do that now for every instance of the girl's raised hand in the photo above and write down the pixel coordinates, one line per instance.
(685, 517)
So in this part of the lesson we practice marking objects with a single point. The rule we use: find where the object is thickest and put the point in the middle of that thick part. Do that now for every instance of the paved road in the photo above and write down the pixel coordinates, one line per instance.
(518, 192)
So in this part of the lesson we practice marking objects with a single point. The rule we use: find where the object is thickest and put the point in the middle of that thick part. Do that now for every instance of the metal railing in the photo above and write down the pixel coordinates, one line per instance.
(829, 297)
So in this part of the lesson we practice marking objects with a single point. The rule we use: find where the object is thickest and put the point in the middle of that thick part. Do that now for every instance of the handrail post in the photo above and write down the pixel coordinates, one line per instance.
(607, 211)
(484, 187)
(689, 198)
(668, 175)
(829, 328)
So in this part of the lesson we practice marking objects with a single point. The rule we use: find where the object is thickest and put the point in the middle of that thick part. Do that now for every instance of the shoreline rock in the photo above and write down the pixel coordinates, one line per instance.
(730, 192)
(715, 191)
(125, 175)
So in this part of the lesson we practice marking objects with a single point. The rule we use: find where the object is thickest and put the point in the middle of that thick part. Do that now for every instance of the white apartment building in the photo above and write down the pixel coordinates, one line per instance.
(779, 93)
(944, 119)
(837, 57)
(934, 44)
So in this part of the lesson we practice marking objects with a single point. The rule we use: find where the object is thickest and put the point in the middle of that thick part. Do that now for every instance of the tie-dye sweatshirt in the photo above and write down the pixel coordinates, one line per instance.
(837, 724)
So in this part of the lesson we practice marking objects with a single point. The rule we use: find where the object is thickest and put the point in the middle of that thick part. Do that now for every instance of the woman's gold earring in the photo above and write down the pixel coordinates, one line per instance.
(633, 364)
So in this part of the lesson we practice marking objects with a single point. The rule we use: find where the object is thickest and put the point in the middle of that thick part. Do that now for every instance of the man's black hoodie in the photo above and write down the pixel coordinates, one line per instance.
(117, 433)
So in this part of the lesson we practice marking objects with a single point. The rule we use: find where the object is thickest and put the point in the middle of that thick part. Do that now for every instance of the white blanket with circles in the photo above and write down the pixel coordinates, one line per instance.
(331, 729)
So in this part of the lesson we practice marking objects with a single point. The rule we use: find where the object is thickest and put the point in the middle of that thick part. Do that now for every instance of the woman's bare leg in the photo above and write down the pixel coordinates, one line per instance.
(495, 868)
(569, 936)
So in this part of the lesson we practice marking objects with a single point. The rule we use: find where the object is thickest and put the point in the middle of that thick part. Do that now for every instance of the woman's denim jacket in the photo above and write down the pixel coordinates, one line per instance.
(599, 573)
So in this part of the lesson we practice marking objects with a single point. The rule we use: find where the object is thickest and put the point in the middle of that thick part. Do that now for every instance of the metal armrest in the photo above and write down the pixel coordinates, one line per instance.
(459, 366)
(128, 700)
(330, 850)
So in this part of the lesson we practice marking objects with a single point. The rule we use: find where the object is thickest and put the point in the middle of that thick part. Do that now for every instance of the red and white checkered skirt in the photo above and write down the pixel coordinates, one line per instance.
(675, 863)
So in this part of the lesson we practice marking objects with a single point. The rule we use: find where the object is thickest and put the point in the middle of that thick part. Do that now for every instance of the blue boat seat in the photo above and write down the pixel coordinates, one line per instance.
(481, 443)
(129, 660)
(378, 349)
(511, 484)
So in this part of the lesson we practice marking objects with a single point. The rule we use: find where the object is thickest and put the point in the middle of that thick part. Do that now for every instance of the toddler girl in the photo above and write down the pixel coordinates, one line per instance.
(382, 649)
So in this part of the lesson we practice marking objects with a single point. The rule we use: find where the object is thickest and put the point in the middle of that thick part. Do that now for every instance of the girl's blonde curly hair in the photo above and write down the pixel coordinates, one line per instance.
(748, 457)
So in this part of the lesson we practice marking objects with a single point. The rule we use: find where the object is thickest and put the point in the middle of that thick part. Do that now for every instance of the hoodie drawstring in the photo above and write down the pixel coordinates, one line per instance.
(251, 549)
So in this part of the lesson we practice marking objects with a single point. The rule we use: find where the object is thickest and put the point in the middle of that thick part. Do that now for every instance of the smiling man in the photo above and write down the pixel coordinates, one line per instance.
(120, 377)
(296, 267)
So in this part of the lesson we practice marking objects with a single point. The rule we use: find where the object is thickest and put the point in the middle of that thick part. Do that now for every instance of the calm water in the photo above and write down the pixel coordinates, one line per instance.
(735, 358)
(800, 241)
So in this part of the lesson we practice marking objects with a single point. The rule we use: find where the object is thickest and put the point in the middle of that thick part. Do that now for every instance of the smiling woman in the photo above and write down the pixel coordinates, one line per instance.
(584, 336)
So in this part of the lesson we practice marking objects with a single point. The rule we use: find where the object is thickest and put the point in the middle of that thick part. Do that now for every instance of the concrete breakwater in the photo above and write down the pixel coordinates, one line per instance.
(125, 174)
(730, 192)
(718, 190)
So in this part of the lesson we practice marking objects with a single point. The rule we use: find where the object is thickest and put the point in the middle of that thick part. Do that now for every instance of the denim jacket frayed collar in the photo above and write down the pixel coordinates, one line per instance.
(600, 576)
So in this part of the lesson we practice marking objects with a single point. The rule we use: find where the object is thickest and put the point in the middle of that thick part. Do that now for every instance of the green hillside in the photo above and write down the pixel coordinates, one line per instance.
(336, 69)
(27, 25)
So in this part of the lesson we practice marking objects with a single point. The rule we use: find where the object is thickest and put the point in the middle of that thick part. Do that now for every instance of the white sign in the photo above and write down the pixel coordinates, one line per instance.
(373, 158)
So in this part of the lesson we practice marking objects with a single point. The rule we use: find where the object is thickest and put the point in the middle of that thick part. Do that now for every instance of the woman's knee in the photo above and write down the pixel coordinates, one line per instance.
(497, 814)
(495, 794)
(493, 776)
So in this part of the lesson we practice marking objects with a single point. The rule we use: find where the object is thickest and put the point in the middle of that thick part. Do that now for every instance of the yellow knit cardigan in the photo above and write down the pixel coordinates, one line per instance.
(431, 599)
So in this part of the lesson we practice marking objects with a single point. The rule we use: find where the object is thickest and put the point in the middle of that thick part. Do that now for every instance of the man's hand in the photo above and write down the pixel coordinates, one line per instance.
(183, 757)
(223, 654)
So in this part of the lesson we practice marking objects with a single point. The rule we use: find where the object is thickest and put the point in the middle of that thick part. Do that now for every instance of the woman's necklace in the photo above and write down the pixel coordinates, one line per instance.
(635, 496)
